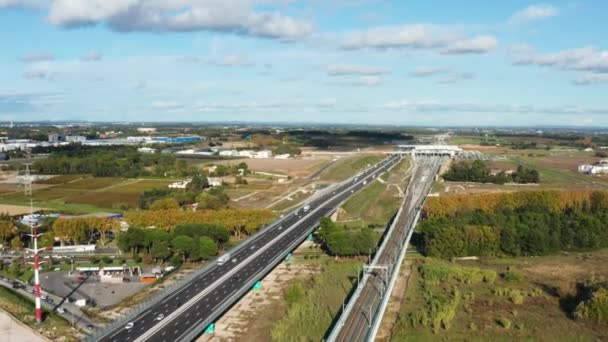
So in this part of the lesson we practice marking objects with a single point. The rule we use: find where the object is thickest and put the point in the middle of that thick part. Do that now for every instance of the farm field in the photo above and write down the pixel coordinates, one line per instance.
(294, 167)
(122, 196)
(528, 299)
(86, 194)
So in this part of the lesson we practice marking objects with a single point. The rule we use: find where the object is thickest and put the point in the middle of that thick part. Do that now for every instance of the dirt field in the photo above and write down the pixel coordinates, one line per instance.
(16, 209)
(13, 330)
(253, 317)
(566, 163)
(295, 167)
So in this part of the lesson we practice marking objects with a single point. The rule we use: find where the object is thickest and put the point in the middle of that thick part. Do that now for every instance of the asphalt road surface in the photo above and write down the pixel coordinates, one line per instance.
(206, 297)
(358, 323)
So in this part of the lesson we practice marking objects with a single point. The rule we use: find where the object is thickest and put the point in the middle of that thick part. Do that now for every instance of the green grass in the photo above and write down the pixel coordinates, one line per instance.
(92, 183)
(296, 199)
(53, 326)
(313, 303)
(344, 168)
(456, 301)
(557, 176)
(25, 276)
(374, 204)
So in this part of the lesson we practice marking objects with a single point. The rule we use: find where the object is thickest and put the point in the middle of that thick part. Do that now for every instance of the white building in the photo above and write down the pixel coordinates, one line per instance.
(263, 154)
(146, 150)
(180, 185)
(229, 153)
(246, 153)
(215, 181)
(146, 130)
(282, 156)
(75, 138)
(594, 169)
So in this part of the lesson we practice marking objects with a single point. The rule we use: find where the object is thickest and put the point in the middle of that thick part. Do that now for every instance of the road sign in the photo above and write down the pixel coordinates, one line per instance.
(288, 258)
(257, 285)
(210, 329)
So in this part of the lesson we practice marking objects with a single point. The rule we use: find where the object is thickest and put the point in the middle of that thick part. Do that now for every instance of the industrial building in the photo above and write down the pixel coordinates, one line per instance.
(594, 169)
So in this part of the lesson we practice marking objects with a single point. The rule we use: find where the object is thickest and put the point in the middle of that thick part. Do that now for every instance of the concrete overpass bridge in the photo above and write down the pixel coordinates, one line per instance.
(451, 151)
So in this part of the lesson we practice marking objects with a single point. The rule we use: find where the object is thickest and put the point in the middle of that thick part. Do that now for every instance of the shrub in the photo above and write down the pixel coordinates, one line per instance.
(504, 322)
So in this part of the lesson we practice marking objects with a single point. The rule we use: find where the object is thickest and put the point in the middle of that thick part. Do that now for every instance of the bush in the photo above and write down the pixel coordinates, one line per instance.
(595, 307)
(504, 322)
(106, 259)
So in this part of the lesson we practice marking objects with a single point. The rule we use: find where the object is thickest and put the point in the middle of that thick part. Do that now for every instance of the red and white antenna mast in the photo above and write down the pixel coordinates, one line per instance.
(33, 223)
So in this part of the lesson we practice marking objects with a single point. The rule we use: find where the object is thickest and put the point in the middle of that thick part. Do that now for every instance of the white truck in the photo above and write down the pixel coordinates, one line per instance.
(223, 259)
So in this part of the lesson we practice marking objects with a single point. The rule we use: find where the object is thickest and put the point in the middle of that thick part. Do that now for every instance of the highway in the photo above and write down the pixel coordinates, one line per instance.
(188, 310)
(357, 324)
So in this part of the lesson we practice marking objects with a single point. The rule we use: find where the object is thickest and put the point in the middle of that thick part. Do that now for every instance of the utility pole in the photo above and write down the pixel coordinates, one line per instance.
(34, 235)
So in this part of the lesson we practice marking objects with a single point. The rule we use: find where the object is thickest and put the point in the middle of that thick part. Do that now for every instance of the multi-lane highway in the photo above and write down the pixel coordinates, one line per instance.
(357, 323)
(187, 311)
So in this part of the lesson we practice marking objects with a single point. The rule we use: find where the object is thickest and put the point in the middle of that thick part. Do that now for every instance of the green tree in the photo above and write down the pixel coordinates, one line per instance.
(16, 243)
(160, 251)
(207, 248)
(184, 246)
(164, 204)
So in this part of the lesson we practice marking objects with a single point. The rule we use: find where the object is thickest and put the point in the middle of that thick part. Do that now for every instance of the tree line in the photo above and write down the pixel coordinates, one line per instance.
(479, 172)
(537, 225)
(115, 161)
(237, 221)
(188, 242)
(342, 241)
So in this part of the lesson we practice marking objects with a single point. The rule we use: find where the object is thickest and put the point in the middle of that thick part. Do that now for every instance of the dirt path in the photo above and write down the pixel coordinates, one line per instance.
(394, 304)
(252, 318)
(13, 330)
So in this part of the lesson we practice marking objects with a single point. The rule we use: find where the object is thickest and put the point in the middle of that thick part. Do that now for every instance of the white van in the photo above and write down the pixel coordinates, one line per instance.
(223, 259)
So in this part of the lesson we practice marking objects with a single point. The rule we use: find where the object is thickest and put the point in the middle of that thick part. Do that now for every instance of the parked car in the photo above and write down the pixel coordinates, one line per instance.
(61, 310)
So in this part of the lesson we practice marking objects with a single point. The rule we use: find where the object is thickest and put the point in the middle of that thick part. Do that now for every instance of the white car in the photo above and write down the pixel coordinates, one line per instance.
(129, 326)
(61, 310)
(160, 317)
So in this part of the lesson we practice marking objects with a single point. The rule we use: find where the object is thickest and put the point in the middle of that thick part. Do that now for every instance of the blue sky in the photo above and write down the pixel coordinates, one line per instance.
(468, 62)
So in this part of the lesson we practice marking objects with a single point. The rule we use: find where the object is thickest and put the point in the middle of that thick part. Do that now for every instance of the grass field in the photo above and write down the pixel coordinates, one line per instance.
(92, 183)
(344, 168)
(313, 303)
(295, 199)
(115, 197)
(526, 301)
(376, 203)
(53, 327)
(87, 194)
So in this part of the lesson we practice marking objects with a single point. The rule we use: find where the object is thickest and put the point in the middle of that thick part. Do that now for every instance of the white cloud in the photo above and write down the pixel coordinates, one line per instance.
(584, 59)
(454, 77)
(449, 76)
(92, 56)
(40, 56)
(588, 79)
(471, 107)
(166, 105)
(368, 81)
(234, 16)
(37, 74)
(352, 69)
(23, 3)
(233, 60)
(474, 45)
(535, 12)
(327, 103)
(429, 71)
(419, 36)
